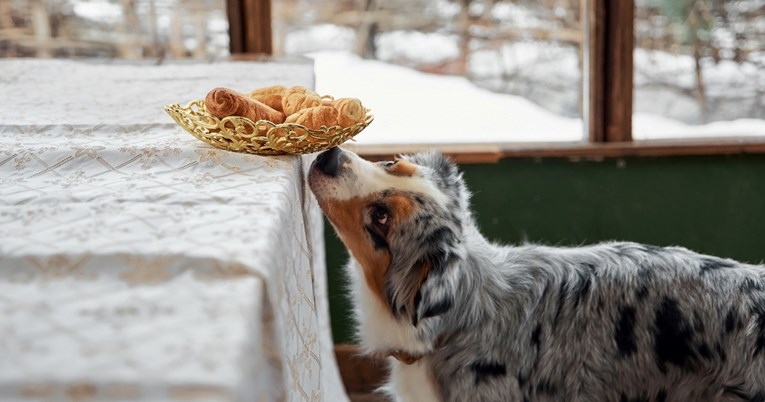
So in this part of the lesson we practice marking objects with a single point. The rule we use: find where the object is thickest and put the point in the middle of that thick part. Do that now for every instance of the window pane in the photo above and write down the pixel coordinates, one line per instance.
(125, 29)
(436, 71)
(699, 68)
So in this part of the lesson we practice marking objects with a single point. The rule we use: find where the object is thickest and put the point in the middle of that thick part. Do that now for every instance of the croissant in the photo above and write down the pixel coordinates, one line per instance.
(276, 89)
(271, 96)
(274, 101)
(297, 98)
(315, 117)
(223, 102)
(350, 111)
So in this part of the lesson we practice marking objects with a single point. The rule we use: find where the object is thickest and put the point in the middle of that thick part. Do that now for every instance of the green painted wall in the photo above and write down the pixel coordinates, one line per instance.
(711, 204)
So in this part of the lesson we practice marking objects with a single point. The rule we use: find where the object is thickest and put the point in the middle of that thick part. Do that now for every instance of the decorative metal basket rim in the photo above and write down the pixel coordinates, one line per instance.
(262, 137)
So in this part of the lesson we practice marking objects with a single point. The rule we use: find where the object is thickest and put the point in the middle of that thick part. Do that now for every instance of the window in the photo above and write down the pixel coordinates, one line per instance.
(695, 68)
(437, 71)
(699, 68)
(125, 29)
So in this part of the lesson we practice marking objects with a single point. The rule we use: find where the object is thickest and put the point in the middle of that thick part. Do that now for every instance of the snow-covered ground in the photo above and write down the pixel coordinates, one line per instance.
(415, 107)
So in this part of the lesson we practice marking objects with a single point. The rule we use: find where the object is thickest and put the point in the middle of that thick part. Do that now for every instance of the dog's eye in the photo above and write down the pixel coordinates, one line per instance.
(380, 215)
(389, 164)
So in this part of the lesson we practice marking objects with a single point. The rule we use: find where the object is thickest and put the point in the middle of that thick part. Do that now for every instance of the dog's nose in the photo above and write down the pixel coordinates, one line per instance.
(329, 161)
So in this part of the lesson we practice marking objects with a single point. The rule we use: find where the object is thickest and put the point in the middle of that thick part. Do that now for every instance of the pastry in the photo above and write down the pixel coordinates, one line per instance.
(274, 101)
(349, 111)
(276, 89)
(223, 102)
(315, 117)
(297, 98)
(271, 96)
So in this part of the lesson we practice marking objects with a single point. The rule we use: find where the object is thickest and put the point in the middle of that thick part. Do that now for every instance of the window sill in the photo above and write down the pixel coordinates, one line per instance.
(492, 153)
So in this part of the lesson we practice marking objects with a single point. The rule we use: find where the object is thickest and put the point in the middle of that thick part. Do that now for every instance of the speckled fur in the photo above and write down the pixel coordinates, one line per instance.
(609, 322)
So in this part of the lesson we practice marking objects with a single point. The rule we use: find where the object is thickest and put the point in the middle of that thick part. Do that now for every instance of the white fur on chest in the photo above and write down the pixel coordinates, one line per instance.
(379, 332)
(377, 329)
(412, 382)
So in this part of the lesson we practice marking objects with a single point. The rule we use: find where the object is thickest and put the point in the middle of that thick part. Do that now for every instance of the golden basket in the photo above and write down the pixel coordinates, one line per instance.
(262, 137)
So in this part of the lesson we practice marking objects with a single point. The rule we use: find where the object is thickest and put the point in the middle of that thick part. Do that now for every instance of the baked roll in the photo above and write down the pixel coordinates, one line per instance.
(349, 111)
(315, 117)
(271, 96)
(276, 89)
(297, 98)
(223, 102)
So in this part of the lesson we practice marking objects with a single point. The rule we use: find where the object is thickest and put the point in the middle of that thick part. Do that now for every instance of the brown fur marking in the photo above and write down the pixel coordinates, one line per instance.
(403, 168)
(347, 218)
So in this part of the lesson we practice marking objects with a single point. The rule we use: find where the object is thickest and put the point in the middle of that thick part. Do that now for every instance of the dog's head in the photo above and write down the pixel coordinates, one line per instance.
(402, 221)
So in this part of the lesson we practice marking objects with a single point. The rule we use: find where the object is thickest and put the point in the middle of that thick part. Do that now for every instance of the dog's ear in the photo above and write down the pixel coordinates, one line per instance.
(446, 176)
(437, 292)
(426, 254)
(422, 285)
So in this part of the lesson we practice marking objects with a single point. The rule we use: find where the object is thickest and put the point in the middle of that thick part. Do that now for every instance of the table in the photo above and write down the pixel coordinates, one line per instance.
(138, 263)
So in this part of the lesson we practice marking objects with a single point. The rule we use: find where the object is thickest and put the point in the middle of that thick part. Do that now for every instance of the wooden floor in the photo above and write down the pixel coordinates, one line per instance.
(361, 375)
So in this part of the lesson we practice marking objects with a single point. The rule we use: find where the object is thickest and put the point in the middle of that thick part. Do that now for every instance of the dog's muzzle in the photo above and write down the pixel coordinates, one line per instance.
(329, 161)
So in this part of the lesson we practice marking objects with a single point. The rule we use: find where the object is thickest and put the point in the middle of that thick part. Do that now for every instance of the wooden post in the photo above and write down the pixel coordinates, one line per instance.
(611, 40)
(250, 26)
(41, 27)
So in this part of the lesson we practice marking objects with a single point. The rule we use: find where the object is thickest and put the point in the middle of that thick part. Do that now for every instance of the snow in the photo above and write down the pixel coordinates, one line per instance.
(646, 126)
(319, 37)
(425, 47)
(100, 11)
(414, 107)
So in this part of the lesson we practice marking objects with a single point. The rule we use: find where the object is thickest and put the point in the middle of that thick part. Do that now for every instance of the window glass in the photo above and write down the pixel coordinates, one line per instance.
(437, 71)
(124, 29)
(699, 68)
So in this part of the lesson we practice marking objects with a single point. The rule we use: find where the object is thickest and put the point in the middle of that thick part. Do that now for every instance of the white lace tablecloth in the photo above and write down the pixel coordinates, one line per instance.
(136, 262)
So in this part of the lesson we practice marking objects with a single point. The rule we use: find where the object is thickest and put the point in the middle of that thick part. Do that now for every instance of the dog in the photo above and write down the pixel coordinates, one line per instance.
(463, 319)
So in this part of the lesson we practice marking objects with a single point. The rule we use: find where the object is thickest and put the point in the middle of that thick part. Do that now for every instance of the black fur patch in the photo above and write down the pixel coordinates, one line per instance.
(378, 241)
(750, 285)
(698, 323)
(759, 322)
(720, 352)
(535, 335)
(562, 291)
(416, 307)
(625, 332)
(423, 220)
(582, 286)
(546, 387)
(522, 380)
(439, 260)
(732, 322)
(704, 351)
(672, 337)
(641, 292)
(661, 396)
(484, 370)
(624, 398)
(438, 308)
(441, 235)
(712, 264)
(736, 391)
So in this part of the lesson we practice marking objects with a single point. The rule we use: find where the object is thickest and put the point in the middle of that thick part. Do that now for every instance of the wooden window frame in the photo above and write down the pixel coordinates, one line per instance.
(608, 74)
(249, 27)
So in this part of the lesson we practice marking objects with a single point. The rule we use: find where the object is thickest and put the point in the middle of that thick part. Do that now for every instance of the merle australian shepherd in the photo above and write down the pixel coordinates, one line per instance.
(462, 319)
